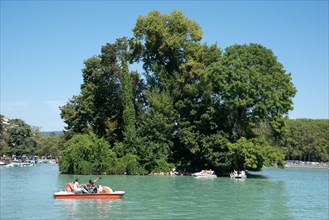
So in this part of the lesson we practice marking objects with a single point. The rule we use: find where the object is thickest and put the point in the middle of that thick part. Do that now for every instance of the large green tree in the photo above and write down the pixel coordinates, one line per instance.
(20, 138)
(198, 107)
(174, 61)
(253, 87)
(99, 107)
(211, 93)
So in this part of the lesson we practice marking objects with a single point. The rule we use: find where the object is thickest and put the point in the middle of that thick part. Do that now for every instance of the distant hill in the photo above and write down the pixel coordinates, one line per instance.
(47, 133)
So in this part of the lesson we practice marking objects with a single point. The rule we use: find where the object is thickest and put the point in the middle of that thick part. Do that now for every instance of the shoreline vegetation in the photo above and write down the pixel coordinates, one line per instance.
(288, 164)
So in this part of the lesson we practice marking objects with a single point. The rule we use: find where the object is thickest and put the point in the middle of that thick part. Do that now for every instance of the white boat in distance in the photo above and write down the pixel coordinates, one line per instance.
(238, 174)
(204, 174)
(14, 164)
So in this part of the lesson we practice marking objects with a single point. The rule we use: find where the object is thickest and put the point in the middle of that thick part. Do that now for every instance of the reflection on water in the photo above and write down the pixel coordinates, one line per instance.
(27, 193)
(80, 208)
(255, 199)
(256, 176)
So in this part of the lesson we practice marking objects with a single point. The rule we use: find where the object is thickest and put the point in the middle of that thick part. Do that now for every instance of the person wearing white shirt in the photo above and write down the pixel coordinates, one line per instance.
(77, 187)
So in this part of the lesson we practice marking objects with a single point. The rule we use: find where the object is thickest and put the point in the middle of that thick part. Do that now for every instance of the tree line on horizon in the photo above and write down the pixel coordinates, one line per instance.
(194, 106)
(303, 140)
(19, 138)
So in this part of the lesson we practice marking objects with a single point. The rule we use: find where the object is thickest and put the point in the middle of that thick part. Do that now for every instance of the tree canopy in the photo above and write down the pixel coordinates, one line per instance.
(306, 140)
(19, 138)
(193, 106)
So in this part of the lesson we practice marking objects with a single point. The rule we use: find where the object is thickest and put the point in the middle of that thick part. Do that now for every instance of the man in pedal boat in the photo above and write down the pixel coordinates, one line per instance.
(78, 188)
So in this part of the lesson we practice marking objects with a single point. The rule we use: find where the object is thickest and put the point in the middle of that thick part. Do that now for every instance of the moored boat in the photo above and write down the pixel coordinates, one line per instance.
(204, 174)
(26, 164)
(238, 174)
(19, 164)
(12, 165)
(104, 192)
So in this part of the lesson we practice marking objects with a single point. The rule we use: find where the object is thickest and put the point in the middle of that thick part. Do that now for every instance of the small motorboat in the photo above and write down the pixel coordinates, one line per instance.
(204, 174)
(104, 192)
(20, 164)
(26, 164)
(238, 174)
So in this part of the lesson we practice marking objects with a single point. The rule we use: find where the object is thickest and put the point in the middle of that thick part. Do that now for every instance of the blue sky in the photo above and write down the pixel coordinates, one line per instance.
(44, 44)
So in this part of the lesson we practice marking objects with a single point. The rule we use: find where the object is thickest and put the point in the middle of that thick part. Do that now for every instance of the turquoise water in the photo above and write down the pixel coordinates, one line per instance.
(292, 193)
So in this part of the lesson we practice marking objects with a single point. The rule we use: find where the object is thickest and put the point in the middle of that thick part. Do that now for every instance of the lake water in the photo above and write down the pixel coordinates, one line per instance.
(292, 193)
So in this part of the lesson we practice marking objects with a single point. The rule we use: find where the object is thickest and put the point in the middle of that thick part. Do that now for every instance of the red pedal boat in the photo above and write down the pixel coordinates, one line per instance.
(105, 192)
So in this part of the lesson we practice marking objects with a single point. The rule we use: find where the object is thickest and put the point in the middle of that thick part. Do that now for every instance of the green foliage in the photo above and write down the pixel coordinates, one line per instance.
(86, 154)
(215, 153)
(198, 108)
(132, 165)
(98, 108)
(165, 40)
(129, 118)
(253, 87)
(253, 154)
(48, 145)
(306, 140)
(156, 127)
(19, 138)
(161, 165)
(303, 139)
